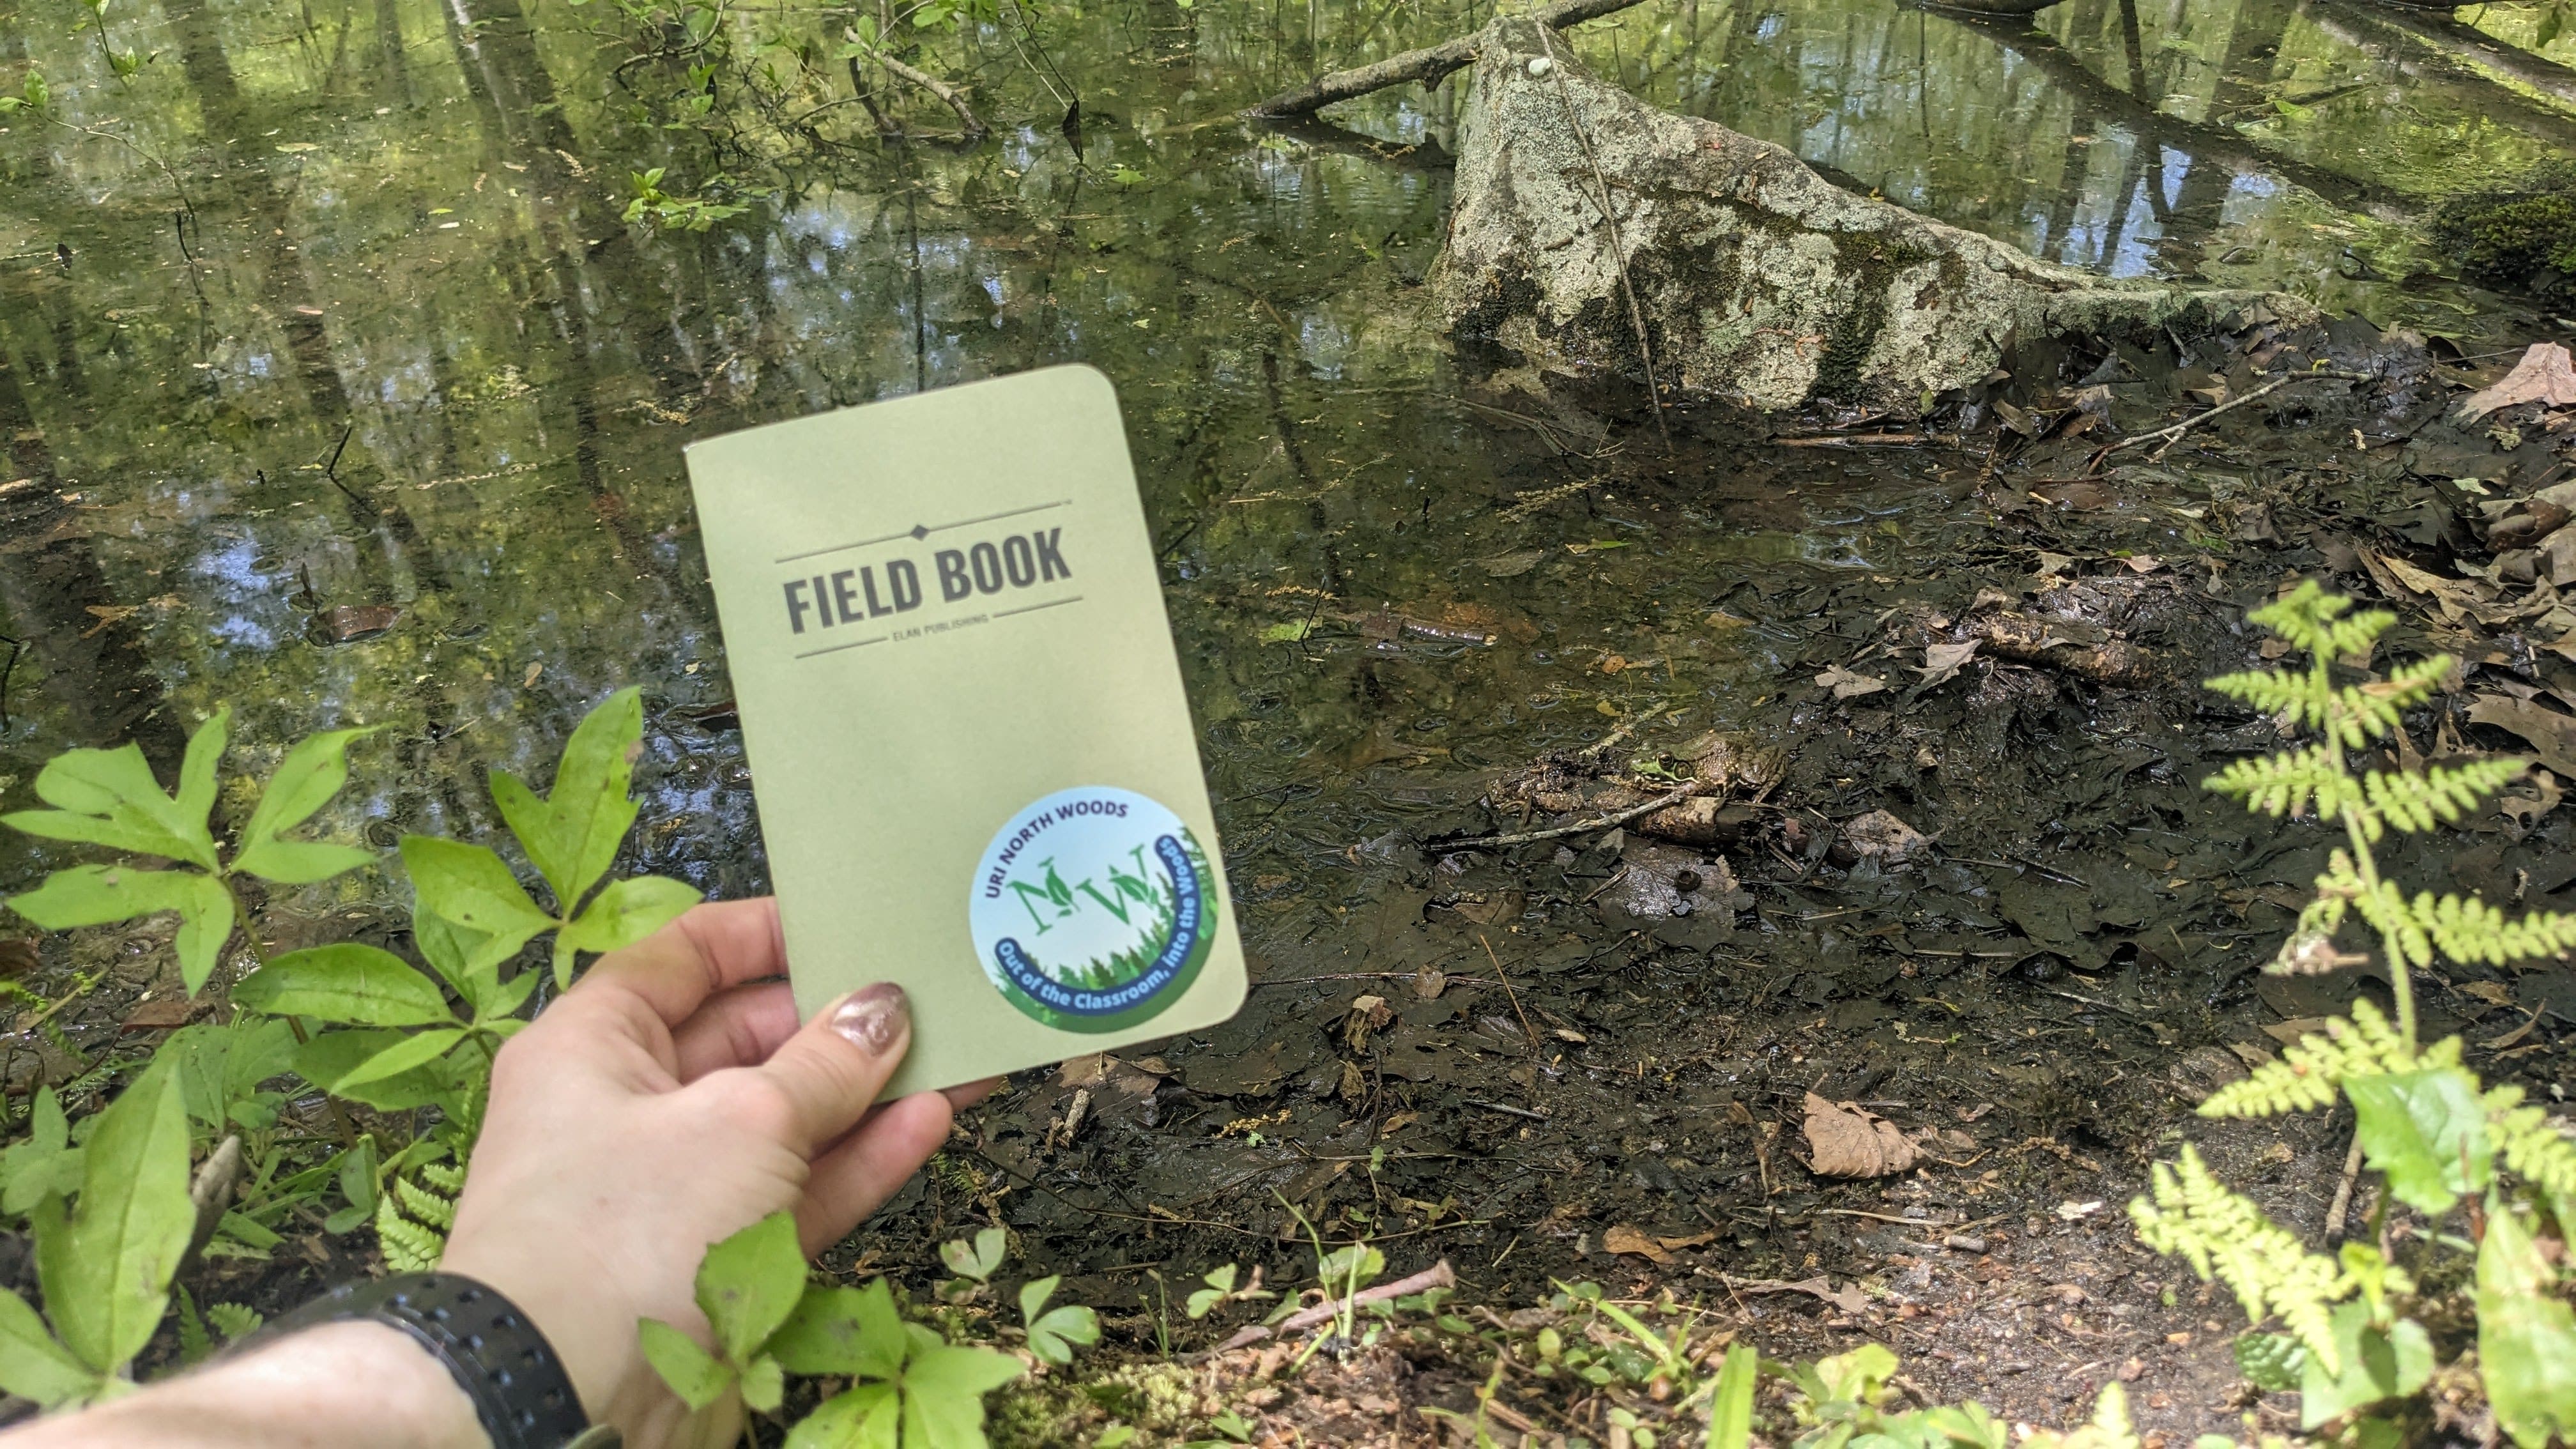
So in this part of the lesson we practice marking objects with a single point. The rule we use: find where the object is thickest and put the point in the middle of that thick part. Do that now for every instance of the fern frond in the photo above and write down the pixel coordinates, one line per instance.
(2288, 695)
(2308, 1075)
(2414, 803)
(2386, 909)
(234, 1320)
(447, 1177)
(431, 1209)
(408, 1247)
(2470, 931)
(2313, 619)
(2376, 709)
(2358, 634)
(2538, 1150)
(2222, 1233)
(2289, 782)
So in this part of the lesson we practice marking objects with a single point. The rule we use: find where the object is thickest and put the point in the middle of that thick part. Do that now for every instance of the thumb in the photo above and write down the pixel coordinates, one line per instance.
(831, 1071)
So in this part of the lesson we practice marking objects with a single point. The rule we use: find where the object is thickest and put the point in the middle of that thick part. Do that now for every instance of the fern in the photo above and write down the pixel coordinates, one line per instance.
(2470, 931)
(2534, 1147)
(2224, 1234)
(414, 1233)
(2308, 1075)
(235, 1321)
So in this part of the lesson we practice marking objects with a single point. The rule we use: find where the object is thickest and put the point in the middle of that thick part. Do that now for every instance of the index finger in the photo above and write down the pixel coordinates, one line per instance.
(711, 947)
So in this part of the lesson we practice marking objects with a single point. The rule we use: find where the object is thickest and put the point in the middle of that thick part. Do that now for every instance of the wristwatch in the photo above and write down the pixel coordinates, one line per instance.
(504, 1365)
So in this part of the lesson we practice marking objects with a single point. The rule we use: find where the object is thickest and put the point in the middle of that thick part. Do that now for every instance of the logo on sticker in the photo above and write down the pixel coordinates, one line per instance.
(1093, 909)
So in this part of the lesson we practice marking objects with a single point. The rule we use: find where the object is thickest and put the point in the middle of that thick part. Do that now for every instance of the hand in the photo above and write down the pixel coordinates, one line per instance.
(668, 1100)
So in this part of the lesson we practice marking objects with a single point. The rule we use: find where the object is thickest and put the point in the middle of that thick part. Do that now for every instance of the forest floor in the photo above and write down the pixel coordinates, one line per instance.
(1590, 1058)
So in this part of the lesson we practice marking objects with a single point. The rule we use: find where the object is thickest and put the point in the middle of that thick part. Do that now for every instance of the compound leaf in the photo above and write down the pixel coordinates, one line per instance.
(840, 1330)
(349, 983)
(698, 1377)
(312, 772)
(749, 1283)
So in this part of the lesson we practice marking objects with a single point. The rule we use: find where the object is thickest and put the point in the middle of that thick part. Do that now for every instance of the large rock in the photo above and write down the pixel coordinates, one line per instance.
(1760, 282)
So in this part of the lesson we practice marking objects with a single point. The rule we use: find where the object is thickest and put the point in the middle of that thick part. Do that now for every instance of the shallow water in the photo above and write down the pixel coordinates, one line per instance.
(393, 348)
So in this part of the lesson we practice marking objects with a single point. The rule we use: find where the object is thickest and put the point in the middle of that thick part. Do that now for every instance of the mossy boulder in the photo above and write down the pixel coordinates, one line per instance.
(2522, 234)
(1758, 281)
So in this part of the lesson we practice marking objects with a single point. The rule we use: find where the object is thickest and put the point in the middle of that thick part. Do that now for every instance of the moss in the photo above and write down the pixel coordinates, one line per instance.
(1159, 1398)
(1870, 263)
(2509, 233)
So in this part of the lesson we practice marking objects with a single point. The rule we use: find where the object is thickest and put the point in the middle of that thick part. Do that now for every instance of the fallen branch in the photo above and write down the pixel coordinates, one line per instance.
(1527, 837)
(956, 101)
(1435, 1276)
(2172, 435)
(1427, 65)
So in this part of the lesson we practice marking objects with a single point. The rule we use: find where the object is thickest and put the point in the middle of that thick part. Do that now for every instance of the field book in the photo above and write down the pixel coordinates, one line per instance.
(973, 761)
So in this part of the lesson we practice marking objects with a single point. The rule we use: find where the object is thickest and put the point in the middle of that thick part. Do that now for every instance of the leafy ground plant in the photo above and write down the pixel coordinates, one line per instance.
(909, 1387)
(2351, 1339)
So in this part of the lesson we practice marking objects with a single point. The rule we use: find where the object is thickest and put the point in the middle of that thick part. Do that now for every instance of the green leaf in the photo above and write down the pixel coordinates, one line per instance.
(302, 862)
(2526, 1339)
(978, 1259)
(108, 797)
(1730, 1409)
(95, 895)
(750, 1282)
(312, 772)
(943, 1395)
(328, 1059)
(33, 1365)
(196, 797)
(628, 911)
(2377, 1365)
(1035, 1293)
(468, 886)
(1054, 1337)
(2270, 1361)
(2425, 1129)
(413, 1051)
(221, 1065)
(695, 1375)
(863, 1418)
(348, 983)
(45, 1163)
(572, 836)
(106, 1268)
(839, 1330)
(764, 1384)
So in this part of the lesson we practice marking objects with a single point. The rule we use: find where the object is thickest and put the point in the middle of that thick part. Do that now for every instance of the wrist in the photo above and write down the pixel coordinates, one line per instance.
(326, 1387)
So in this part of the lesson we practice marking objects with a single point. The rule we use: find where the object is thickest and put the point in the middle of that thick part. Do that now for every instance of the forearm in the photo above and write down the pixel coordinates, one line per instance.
(340, 1386)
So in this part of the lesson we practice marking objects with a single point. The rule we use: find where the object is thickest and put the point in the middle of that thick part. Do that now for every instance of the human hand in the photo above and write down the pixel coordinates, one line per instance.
(666, 1101)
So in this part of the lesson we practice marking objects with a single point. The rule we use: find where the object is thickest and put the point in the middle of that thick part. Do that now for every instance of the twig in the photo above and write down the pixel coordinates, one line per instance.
(1852, 440)
(1505, 1107)
(2341, 1208)
(1427, 65)
(2172, 435)
(1437, 1275)
(1610, 222)
(1605, 822)
(1509, 994)
(956, 101)
(8, 667)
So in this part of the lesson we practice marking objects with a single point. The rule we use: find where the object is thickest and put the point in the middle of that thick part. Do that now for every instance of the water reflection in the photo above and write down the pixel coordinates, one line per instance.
(396, 349)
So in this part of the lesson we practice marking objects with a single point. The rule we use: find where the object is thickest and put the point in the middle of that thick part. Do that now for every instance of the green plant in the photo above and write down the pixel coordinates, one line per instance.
(2507, 233)
(110, 798)
(974, 1263)
(1054, 1333)
(651, 206)
(1220, 1290)
(104, 1263)
(2424, 1123)
(911, 1389)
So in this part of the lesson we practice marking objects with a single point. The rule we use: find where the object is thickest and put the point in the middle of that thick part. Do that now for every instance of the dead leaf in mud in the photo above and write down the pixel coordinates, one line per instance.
(2143, 563)
(1513, 565)
(1849, 1300)
(2051, 563)
(2288, 1033)
(1847, 685)
(2454, 596)
(1428, 984)
(1940, 661)
(2546, 375)
(1849, 1142)
(355, 621)
(2078, 493)
(2551, 735)
(1367, 1014)
(1625, 1239)
(162, 1015)
(1099, 1071)
(17, 957)
(1881, 837)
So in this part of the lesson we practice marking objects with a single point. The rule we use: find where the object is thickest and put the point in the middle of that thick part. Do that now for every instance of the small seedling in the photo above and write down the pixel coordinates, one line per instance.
(1054, 1332)
(1220, 1290)
(974, 1263)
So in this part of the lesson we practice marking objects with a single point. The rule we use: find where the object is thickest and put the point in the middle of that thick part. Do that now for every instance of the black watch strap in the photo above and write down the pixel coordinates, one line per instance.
(504, 1365)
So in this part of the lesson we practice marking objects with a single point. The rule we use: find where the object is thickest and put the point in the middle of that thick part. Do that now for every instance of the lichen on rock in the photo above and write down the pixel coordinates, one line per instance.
(1759, 281)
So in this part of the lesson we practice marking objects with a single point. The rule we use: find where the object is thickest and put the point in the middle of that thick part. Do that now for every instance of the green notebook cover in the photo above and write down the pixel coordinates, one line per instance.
(973, 760)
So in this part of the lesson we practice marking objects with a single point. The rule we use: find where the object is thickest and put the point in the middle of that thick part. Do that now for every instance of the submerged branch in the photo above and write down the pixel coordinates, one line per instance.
(1427, 65)
(956, 100)
(2474, 54)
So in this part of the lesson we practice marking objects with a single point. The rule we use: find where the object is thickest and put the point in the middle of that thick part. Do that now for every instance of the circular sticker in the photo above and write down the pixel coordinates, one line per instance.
(1093, 909)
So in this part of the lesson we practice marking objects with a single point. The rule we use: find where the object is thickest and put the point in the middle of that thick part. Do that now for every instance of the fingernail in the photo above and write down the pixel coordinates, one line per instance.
(873, 1017)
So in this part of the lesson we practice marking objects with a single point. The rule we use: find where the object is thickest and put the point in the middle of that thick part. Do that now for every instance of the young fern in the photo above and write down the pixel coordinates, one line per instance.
(2224, 1234)
(414, 1234)
(2308, 1075)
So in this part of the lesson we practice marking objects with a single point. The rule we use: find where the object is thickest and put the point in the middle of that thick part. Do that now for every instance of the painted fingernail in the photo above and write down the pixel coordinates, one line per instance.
(872, 1018)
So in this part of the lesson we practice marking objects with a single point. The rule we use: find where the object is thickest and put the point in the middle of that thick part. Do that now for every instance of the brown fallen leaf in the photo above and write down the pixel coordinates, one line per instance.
(1849, 1142)
(2551, 735)
(1849, 1300)
(161, 1015)
(2546, 374)
(1624, 1239)
(1429, 982)
(1940, 661)
(17, 957)
(356, 621)
(2288, 1033)
(1848, 685)
(1882, 837)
